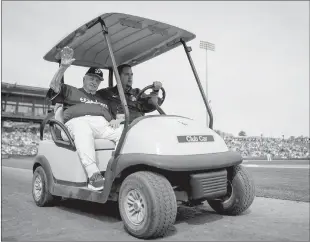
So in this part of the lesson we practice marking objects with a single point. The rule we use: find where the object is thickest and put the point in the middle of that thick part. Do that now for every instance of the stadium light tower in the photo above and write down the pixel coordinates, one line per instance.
(207, 46)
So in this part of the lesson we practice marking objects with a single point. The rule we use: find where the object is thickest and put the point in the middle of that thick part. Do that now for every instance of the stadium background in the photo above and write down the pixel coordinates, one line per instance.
(24, 107)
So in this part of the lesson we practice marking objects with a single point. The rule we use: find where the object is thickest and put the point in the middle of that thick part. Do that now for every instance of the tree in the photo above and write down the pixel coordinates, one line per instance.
(242, 133)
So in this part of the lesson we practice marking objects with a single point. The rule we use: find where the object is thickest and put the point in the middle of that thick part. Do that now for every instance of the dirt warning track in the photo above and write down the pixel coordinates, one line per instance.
(267, 219)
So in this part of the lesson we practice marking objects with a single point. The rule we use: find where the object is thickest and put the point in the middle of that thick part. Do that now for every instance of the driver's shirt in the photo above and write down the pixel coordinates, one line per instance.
(136, 109)
(77, 102)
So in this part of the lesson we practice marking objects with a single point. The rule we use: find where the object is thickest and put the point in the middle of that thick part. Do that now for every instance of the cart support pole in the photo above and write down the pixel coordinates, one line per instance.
(120, 91)
(187, 50)
(110, 77)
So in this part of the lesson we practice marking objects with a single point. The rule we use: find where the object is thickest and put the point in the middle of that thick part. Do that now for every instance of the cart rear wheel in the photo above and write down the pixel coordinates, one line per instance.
(40, 193)
(147, 204)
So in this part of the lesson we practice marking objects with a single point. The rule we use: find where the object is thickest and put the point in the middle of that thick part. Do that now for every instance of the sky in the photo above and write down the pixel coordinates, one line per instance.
(258, 75)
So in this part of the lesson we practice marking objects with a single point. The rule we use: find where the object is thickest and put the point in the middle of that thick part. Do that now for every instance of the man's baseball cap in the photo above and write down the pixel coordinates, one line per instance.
(93, 71)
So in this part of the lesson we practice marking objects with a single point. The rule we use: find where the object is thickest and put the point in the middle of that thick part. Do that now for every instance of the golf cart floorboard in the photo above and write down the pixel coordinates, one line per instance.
(83, 193)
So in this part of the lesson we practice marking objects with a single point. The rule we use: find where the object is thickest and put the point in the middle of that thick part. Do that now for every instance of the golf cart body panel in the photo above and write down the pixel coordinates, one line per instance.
(56, 187)
(188, 163)
(134, 40)
(65, 164)
(173, 136)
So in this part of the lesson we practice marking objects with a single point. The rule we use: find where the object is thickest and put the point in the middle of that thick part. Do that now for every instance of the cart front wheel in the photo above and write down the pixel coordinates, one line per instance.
(240, 193)
(147, 205)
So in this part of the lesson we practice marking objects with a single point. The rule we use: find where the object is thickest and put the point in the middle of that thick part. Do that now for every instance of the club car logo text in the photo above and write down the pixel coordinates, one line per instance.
(195, 138)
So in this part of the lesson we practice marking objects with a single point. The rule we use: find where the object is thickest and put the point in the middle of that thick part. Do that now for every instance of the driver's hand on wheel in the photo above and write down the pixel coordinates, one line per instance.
(67, 56)
(115, 123)
(157, 86)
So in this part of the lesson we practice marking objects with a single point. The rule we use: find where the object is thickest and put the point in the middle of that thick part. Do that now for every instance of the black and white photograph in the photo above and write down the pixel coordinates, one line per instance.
(155, 120)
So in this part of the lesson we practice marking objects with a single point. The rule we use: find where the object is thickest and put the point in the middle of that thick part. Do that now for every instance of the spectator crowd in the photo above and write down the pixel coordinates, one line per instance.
(23, 141)
(260, 147)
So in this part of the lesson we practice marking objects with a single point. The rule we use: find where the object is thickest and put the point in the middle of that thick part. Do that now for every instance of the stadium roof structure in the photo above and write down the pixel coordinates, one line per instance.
(11, 88)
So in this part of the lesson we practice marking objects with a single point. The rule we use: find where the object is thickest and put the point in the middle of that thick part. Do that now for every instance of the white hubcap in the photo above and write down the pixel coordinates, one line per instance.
(135, 207)
(37, 188)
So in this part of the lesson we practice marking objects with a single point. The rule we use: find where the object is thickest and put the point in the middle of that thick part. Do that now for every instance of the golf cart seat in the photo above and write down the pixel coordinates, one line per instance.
(100, 144)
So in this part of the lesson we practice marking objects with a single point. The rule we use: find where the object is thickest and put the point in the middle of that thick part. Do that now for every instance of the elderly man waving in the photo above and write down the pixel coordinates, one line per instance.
(86, 115)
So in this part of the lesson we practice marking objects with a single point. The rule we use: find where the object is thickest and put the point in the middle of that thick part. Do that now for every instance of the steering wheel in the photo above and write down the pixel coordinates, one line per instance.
(150, 87)
(158, 108)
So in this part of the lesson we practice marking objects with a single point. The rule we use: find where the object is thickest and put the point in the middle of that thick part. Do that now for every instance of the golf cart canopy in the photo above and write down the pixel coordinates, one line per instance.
(133, 40)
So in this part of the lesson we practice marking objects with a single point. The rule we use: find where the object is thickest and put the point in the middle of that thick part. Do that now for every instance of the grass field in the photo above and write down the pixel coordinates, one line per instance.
(286, 184)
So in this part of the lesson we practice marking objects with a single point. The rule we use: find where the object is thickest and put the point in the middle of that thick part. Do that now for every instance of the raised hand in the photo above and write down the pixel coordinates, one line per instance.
(66, 60)
(67, 56)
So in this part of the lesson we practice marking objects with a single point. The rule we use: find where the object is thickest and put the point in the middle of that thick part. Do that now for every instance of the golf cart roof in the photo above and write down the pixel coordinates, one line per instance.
(133, 39)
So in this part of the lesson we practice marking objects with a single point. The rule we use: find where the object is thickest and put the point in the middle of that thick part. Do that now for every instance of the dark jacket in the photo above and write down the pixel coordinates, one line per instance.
(137, 108)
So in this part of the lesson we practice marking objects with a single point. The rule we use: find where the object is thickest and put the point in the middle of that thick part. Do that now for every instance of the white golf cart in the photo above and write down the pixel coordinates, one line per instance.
(182, 162)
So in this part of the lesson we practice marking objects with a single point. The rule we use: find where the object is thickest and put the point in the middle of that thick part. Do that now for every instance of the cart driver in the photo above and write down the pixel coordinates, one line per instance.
(137, 108)
(86, 115)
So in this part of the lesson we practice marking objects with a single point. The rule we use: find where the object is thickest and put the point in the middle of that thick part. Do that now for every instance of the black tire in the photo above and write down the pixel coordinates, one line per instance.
(45, 198)
(241, 193)
(160, 204)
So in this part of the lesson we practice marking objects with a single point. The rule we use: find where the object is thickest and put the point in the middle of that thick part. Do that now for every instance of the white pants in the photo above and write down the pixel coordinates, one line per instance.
(84, 130)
